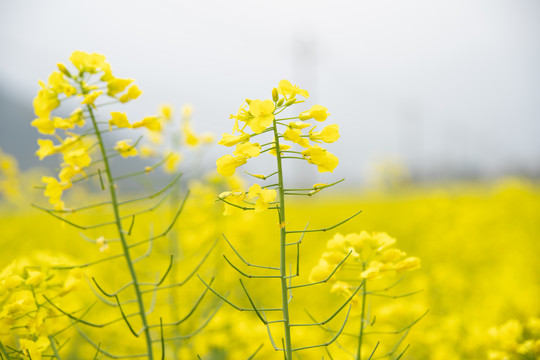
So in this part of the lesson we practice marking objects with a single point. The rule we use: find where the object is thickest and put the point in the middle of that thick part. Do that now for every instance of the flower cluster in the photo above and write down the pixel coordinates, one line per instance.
(91, 81)
(372, 254)
(259, 116)
(515, 339)
(27, 321)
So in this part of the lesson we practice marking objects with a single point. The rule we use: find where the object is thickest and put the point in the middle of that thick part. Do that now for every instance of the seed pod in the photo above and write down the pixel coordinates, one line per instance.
(290, 102)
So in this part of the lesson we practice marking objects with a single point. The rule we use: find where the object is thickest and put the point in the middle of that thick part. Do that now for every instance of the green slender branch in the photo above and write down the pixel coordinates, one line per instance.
(327, 228)
(125, 247)
(283, 252)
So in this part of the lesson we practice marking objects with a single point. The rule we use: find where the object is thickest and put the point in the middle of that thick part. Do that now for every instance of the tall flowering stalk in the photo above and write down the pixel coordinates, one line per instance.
(255, 119)
(86, 155)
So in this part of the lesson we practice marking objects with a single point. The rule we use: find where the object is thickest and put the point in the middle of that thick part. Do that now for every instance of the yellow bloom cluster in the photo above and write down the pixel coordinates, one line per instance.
(260, 117)
(27, 320)
(372, 253)
(515, 340)
(63, 86)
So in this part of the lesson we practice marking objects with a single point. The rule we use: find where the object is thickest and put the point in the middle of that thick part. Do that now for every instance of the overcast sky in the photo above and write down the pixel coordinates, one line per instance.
(435, 83)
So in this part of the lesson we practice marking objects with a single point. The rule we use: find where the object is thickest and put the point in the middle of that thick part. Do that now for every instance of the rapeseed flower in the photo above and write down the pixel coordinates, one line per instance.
(289, 90)
(325, 160)
(329, 134)
(262, 111)
(151, 123)
(119, 120)
(132, 93)
(226, 165)
(317, 112)
(231, 140)
(125, 148)
(265, 197)
(247, 149)
(90, 98)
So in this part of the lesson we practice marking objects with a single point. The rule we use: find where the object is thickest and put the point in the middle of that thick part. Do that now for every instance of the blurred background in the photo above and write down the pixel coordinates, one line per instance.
(446, 90)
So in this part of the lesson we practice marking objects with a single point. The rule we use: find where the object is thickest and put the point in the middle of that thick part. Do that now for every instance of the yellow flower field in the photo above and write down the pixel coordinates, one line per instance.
(153, 263)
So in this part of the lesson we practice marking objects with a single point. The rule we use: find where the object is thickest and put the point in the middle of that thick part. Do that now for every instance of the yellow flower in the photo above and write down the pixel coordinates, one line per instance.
(372, 271)
(166, 111)
(77, 158)
(248, 150)
(263, 116)
(226, 165)
(68, 172)
(60, 123)
(282, 147)
(231, 140)
(329, 134)
(125, 148)
(85, 62)
(410, 263)
(132, 93)
(90, 98)
(342, 288)
(191, 138)
(115, 86)
(77, 117)
(46, 148)
(173, 159)
(266, 196)
(242, 115)
(59, 84)
(35, 348)
(150, 122)
(44, 125)
(295, 135)
(321, 271)
(317, 112)
(54, 190)
(120, 120)
(325, 160)
(289, 90)
(35, 278)
(233, 197)
(45, 101)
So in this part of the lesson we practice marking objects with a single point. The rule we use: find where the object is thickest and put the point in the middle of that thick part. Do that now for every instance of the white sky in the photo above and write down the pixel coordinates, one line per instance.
(436, 83)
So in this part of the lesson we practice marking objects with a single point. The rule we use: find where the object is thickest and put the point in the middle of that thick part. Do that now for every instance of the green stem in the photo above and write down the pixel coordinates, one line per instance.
(361, 334)
(121, 233)
(283, 242)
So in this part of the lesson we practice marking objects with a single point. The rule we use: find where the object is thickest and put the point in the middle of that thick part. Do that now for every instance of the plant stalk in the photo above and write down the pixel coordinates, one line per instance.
(125, 247)
(283, 254)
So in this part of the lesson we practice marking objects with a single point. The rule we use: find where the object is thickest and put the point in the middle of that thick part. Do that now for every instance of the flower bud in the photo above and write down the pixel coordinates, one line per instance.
(275, 96)
(280, 102)
(290, 102)
(248, 101)
(63, 69)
